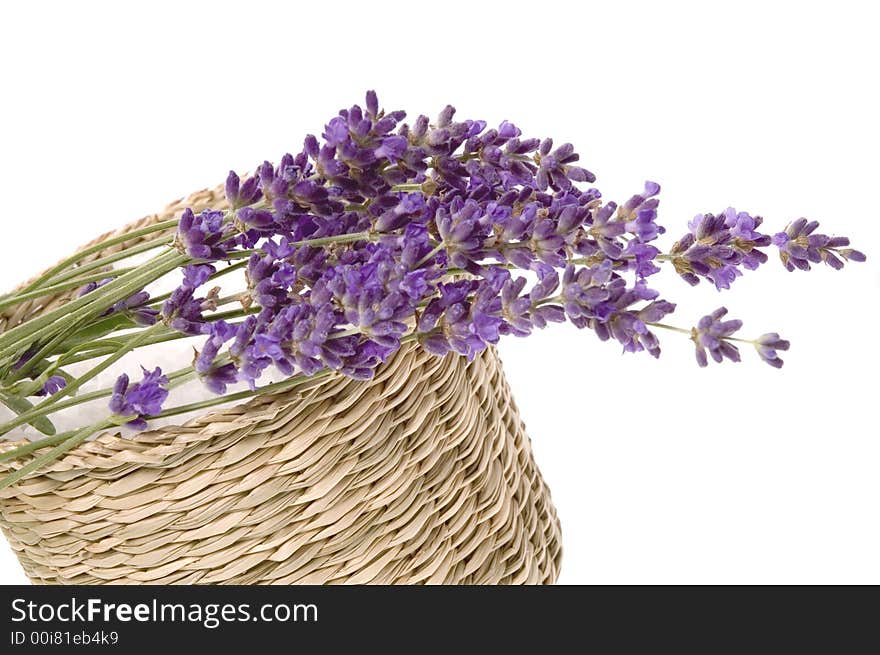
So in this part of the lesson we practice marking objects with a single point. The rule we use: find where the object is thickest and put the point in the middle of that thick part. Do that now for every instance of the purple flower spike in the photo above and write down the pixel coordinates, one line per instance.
(799, 246)
(217, 378)
(183, 312)
(767, 345)
(640, 213)
(200, 236)
(141, 399)
(716, 246)
(52, 385)
(195, 275)
(556, 170)
(241, 195)
(712, 334)
(463, 231)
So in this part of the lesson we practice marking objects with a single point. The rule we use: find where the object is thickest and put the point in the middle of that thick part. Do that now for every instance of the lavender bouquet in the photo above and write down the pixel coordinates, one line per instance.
(449, 234)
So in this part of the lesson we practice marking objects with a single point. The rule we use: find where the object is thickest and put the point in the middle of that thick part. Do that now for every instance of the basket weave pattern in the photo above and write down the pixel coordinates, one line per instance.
(422, 475)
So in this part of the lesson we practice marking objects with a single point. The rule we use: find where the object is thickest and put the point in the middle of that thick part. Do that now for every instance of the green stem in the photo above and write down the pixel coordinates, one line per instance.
(133, 343)
(753, 342)
(14, 342)
(673, 328)
(320, 241)
(185, 374)
(241, 254)
(110, 259)
(274, 387)
(106, 346)
(45, 407)
(175, 379)
(428, 257)
(30, 447)
(57, 288)
(85, 351)
(98, 247)
(45, 350)
(690, 333)
(66, 442)
(47, 458)
(134, 281)
(548, 301)
(19, 405)
(102, 347)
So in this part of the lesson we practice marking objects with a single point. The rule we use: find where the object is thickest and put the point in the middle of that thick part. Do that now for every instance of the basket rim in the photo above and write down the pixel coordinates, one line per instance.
(111, 449)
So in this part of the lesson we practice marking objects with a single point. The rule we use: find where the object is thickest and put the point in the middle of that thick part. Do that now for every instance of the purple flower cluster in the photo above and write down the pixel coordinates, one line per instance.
(714, 335)
(717, 248)
(141, 399)
(798, 246)
(183, 311)
(595, 299)
(768, 345)
(203, 236)
(452, 234)
(52, 385)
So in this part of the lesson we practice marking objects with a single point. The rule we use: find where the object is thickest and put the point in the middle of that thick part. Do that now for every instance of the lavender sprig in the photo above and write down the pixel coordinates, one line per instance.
(448, 232)
(798, 246)
(467, 198)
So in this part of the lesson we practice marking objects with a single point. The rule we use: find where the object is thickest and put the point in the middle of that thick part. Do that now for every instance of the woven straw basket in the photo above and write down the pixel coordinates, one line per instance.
(421, 475)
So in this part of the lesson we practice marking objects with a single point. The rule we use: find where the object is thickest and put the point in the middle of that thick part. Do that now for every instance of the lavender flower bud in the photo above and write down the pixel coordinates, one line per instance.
(717, 245)
(555, 169)
(240, 195)
(52, 385)
(799, 246)
(140, 400)
(201, 236)
(767, 345)
(711, 333)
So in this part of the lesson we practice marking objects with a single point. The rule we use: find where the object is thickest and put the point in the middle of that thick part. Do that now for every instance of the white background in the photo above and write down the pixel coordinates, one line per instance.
(662, 472)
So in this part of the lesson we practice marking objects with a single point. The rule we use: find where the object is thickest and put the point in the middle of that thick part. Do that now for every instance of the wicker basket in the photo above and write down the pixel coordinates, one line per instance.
(421, 475)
